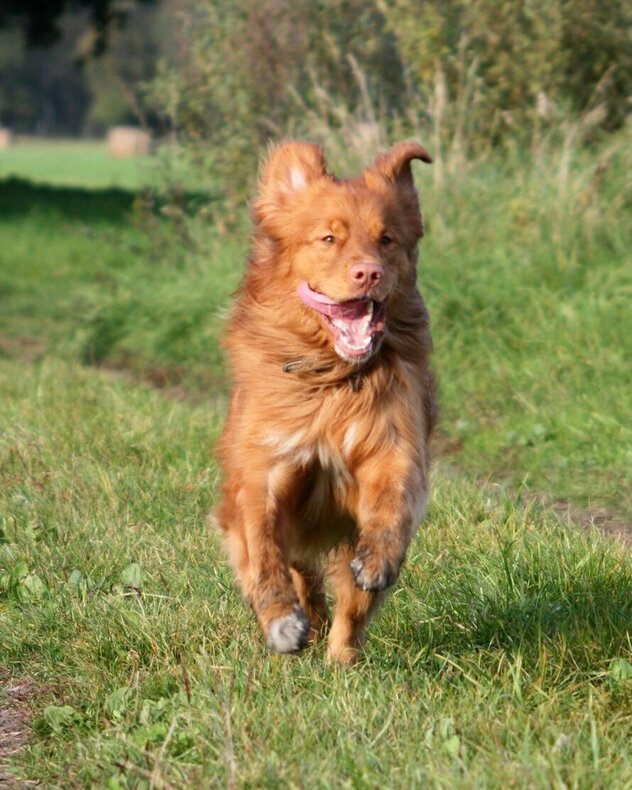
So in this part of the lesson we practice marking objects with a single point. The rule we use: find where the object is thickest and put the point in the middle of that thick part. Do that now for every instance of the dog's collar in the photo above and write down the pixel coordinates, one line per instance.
(311, 366)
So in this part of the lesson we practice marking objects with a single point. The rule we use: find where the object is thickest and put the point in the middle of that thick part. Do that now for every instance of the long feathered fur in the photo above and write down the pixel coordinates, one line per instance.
(325, 460)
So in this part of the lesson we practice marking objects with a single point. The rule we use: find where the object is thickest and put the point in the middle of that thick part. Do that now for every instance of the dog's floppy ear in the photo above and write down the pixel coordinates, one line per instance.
(394, 164)
(290, 168)
(393, 167)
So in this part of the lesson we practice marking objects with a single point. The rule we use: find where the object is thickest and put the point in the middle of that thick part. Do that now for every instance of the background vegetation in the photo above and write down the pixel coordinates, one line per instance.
(235, 73)
(504, 657)
(466, 76)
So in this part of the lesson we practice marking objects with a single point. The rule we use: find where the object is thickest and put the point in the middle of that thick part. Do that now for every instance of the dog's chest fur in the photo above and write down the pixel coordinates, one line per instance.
(323, 454)
(314, 476)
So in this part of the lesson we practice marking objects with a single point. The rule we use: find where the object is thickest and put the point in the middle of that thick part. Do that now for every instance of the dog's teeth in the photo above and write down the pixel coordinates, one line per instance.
(354, 335)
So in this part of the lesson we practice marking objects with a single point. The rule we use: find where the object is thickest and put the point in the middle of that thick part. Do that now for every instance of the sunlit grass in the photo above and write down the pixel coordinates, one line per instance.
(72, 163)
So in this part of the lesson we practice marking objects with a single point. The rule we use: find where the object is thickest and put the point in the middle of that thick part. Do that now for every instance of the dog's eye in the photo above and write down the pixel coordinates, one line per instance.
(329, 239)
(385, 240)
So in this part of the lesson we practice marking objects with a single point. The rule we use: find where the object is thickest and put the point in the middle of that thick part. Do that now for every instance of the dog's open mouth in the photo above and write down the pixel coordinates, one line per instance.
(356, 324)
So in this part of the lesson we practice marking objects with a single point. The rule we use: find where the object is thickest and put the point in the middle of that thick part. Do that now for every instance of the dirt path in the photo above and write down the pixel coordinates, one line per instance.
(15, 715)
(611, 525)
(609, 522)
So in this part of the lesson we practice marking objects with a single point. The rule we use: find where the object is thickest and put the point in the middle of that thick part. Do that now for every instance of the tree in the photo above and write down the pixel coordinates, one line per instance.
(40, 20)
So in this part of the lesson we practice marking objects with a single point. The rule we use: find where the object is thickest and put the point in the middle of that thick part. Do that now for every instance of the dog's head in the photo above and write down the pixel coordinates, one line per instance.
(347, 248)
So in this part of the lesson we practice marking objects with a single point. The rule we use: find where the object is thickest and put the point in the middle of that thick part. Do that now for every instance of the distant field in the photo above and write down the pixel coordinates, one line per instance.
(503, 659)
(72, 162)
(86, 163)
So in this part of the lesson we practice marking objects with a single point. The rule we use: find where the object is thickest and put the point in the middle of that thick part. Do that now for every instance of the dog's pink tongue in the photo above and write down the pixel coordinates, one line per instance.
(349, 310)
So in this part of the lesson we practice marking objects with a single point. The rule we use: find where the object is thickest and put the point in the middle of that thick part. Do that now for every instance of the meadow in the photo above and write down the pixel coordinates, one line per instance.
(504, 656)
(71, 162)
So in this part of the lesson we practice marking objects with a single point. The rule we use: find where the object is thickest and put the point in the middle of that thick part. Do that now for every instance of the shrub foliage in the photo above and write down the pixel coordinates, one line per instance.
(470, 74)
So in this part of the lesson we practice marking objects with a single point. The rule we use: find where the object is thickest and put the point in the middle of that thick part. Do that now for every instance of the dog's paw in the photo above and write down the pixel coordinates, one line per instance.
(289, 633)
(371, 573)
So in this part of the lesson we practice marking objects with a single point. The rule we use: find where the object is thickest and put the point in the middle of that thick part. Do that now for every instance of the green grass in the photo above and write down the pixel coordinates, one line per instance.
(528, 277)
(497, 661)
(61, 247)
(526, 269)
(71, 163)
(502, 659)
(87, 164)
(80, 273)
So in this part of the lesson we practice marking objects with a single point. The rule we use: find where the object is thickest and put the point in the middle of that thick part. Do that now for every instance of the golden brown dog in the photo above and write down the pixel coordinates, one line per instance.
(325, 450)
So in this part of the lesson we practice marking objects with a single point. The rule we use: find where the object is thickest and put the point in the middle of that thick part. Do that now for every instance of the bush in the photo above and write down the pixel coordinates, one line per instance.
(469, 75)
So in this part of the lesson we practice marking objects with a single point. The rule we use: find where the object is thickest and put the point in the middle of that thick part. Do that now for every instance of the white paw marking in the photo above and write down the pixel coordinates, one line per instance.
(289, 633)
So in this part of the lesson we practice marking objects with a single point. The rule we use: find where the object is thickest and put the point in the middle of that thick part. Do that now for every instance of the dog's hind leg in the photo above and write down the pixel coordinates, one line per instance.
(310, 587)
(352, 611)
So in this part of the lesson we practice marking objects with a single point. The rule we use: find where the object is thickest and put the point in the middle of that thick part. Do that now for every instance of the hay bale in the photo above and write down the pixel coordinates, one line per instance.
(126, 141)
(6, 138)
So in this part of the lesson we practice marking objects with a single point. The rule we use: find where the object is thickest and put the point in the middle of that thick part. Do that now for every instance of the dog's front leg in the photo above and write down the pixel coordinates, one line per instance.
(269, 586)
(392, 501)
(391, 505)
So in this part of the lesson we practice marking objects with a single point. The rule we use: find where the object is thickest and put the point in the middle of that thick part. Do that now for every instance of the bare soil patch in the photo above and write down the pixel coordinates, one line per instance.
(15, 715)
(612, 525)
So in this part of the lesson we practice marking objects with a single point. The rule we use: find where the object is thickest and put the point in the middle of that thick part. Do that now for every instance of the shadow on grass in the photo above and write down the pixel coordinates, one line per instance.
(111, 205)
(585, 612)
